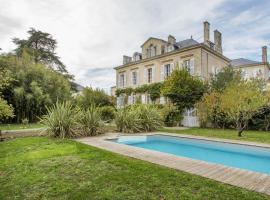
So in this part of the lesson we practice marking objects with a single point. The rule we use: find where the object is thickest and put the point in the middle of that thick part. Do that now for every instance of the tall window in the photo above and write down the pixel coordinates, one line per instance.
(167, 70)
(187, 66)
(149, 75)
(122, 80)
(151, 51)
(134, 78)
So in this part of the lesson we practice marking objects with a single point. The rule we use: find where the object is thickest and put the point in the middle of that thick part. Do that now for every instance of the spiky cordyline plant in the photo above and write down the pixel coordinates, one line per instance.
(90, 122)
(61, 120)
(138, 118)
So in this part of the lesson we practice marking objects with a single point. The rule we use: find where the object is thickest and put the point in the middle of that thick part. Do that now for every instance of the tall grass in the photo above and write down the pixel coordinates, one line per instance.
(138, 118)
(61, 120)
(90, 122)
(65, 121)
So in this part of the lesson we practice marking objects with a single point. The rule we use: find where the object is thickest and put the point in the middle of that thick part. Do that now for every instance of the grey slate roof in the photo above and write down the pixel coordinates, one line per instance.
(186, 43)
(242, 61)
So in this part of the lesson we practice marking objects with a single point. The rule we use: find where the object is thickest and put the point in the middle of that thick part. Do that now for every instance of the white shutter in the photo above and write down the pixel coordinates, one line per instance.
(162, 100)
(171, 68)
(126, 79)
(131, 78)
(192, 66)
(118, 81)
(162, 68)
(130, 99)
(181, 64)
(145, 75)
(143, 98)
(153, 74)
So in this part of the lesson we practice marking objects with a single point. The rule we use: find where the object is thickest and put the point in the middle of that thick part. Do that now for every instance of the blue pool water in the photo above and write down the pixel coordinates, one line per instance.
(240, 156)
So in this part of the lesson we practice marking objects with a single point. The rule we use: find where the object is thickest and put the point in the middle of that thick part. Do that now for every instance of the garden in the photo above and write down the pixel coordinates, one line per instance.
(37, 92)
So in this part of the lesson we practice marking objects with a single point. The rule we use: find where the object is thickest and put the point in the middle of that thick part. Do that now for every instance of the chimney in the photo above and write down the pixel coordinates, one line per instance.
(218, 41)
(126, 59)
(206, 32)
(264, 54)
(171, 39)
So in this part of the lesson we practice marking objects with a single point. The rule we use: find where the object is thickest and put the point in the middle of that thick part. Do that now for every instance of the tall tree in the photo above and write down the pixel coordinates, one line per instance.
(219, 81)
(41, 46)
(35, 86)
(240, 101)
(96, 97)
(182, 89)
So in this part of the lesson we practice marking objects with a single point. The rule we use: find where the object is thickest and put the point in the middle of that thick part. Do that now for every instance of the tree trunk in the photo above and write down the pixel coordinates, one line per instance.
(240, 128)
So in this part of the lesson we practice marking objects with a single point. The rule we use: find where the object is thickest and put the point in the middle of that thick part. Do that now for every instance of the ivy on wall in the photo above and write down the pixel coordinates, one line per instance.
(152, 89)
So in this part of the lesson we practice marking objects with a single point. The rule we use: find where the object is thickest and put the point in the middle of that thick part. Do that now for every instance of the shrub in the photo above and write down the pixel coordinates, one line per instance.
(126, 120)
(170, 115)
(61, 120)
(107, 113)
(138, 118)
(149, 116)
(25, 122)
(90, 122)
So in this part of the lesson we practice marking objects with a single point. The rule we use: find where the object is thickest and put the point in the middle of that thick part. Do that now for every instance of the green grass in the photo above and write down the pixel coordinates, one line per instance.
(20, 126)
(43, 168)
(254, 136)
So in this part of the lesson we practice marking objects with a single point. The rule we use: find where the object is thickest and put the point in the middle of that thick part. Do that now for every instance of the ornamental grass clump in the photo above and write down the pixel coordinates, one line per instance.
(90, 122)
(127, 120)
(61, 120)
(138, 118)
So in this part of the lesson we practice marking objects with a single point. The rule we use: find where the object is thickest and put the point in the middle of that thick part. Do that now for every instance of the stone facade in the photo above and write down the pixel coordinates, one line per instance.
(159, 58)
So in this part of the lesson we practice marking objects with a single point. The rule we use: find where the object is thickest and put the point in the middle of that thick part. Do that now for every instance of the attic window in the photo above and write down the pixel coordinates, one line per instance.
(170, 48)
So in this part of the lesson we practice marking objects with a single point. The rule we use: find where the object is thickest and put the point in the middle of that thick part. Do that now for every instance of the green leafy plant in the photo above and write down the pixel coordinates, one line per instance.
(90, 122)
(127, 121)
(61, 120)
(107, 113)
(138, 118)
(171, 116)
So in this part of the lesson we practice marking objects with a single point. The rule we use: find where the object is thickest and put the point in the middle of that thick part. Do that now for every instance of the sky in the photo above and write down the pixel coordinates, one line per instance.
(93, 35)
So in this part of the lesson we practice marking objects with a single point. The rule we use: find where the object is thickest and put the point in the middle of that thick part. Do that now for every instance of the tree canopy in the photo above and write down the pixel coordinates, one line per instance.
(41, 46)
(182, 89)
(240, 101)
(33, 87)
(219, 81)
(96, 97)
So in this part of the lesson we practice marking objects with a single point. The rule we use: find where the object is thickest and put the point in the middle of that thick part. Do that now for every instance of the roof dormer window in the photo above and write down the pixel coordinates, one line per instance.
(170, 48)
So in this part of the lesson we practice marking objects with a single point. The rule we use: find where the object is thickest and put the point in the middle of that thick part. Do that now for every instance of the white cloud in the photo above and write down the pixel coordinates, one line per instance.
(95, 34)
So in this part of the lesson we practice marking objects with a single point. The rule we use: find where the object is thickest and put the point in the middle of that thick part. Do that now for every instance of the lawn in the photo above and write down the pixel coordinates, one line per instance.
(254, 136)
(43, 168)
(20, 126)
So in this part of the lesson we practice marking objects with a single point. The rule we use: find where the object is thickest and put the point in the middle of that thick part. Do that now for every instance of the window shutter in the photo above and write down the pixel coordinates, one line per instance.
(162, 68)
(153, 73)
(162, 100)
(131, 78)
(130, 99)
(143, 98)
(145, 75)
(192, 66)
(118, 81)
(172, 67)
(181, 63)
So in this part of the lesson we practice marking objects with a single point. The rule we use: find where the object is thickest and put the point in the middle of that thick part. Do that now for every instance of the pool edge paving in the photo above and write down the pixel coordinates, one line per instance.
(254, 181)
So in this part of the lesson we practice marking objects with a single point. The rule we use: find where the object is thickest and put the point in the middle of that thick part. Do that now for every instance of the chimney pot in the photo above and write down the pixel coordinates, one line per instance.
(264, 54)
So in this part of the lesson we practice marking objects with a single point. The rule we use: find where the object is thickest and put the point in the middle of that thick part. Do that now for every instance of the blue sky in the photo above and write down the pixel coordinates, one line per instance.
(94, 35)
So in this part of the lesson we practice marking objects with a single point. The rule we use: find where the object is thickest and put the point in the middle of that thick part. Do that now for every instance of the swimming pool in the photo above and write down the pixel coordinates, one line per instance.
(234, 155)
